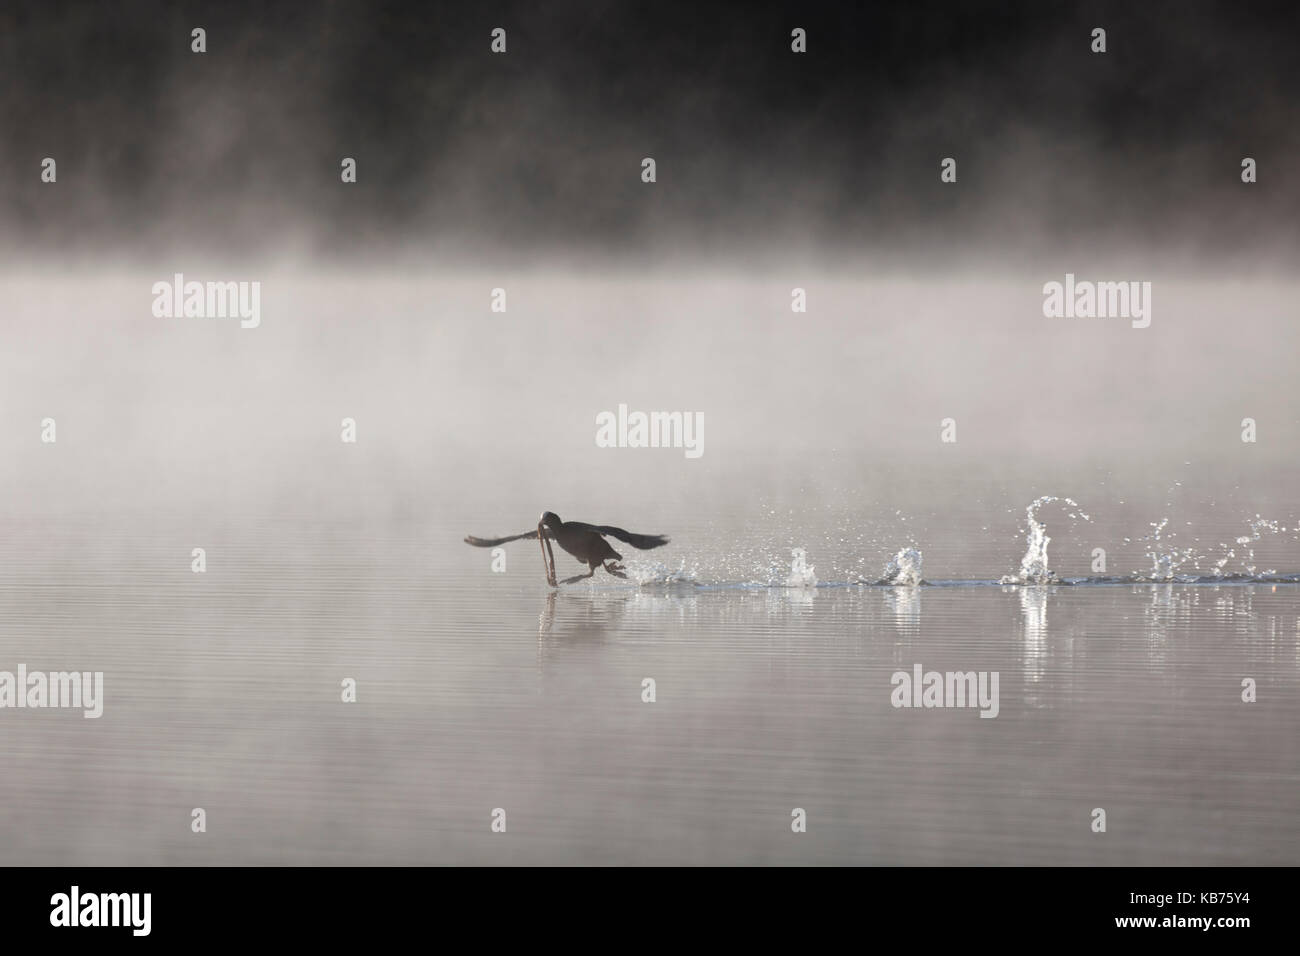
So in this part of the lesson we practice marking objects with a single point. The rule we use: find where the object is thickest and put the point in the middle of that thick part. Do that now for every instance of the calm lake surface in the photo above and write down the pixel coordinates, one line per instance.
(479, 689)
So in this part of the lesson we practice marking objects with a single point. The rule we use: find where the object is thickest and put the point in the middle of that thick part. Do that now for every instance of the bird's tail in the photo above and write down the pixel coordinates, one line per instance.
(643, 541)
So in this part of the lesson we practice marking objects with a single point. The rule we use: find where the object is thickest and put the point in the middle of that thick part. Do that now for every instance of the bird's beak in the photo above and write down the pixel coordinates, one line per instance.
(548, 556)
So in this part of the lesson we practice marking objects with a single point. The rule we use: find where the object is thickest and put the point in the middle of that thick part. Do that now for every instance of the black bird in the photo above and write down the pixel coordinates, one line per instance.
(581, 540)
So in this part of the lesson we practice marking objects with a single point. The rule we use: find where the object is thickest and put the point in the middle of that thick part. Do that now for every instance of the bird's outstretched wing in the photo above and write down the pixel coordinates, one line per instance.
(643, 541)
(493, 542)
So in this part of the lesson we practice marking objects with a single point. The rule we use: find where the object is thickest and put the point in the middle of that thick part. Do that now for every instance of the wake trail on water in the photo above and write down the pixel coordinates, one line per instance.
(1169, 564)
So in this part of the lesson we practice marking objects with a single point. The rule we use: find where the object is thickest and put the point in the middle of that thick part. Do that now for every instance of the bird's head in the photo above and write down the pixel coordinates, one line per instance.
(551, 520)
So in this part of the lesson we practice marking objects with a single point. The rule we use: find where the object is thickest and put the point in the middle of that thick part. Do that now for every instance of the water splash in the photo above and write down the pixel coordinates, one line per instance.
(1257, 528)
(903, 568)
(1033, 566)
(1165, 559)
(660, 574)
(758, 567)
(801, 573)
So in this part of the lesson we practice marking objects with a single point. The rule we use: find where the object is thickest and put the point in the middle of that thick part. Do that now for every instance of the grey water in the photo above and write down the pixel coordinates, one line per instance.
(762, 624)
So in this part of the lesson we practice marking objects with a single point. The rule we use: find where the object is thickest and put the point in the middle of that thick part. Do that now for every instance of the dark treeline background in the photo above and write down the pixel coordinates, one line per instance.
(237, 151)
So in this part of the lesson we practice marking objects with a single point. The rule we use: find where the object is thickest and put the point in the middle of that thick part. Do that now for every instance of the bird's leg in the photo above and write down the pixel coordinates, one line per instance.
(579, 577)
(615, 569)
(548, 556)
